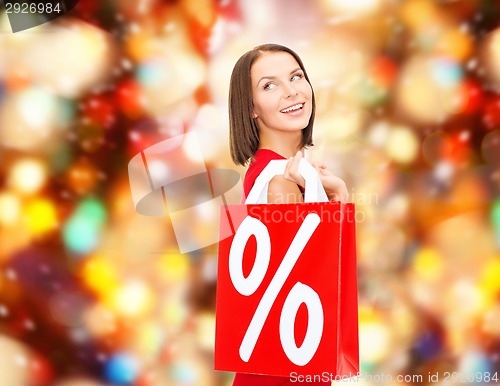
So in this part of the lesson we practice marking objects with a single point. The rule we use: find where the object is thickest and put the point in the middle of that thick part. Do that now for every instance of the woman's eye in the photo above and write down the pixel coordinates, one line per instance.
(269, 86)
(296, 77)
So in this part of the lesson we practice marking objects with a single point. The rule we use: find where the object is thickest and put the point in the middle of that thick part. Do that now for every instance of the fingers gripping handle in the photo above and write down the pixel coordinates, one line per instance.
(314, 191)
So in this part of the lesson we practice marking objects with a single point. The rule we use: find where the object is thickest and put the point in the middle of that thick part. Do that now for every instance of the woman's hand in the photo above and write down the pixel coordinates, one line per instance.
(334, 186)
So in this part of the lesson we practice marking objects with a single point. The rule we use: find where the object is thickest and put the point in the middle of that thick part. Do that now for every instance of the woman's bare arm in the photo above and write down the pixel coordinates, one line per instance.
(282, 191)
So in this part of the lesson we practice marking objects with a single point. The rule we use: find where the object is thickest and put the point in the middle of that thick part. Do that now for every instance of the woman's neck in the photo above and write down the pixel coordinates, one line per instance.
(285, 145)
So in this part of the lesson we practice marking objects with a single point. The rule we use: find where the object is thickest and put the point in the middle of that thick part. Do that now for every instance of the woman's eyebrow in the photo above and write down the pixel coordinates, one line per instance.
(274, 77)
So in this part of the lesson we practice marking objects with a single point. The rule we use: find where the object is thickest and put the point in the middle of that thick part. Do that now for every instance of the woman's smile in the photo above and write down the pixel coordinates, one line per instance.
(294, 110)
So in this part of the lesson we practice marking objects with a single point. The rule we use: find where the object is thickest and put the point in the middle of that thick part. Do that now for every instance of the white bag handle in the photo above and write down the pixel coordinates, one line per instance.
(314, 191)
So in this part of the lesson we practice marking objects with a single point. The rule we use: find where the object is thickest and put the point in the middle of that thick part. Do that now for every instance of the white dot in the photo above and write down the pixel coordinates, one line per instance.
(101, 357)
(134, 28)
(11, 274)
(134, 136)
(4, 311)
(127, 64)
(29, 325)
(472, 64)
(464, 135)
(158, 170)
(28, 176)
(443, 171)
(21, 360)
(378, 134)
(464, 28)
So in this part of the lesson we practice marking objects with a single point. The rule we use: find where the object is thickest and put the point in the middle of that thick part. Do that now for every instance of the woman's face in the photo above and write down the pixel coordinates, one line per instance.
(282, 97)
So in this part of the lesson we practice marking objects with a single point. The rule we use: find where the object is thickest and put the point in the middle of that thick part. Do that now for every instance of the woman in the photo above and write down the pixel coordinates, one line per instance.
(271, 116)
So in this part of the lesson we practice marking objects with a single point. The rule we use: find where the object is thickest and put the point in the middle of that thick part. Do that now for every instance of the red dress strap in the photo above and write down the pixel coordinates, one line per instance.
(260, 160)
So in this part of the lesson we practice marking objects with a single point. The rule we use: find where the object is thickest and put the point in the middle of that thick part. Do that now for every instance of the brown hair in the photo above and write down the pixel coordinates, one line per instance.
(243, 130)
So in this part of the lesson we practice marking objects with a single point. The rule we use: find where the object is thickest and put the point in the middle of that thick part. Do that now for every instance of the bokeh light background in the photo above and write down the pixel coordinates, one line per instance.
(93, 293)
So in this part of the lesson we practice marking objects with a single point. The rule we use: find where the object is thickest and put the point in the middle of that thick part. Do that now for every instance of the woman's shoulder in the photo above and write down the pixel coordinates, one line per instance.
(260, 160)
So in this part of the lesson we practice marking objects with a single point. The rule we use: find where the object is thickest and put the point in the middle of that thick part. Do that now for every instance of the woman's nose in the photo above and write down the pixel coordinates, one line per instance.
(290, 91)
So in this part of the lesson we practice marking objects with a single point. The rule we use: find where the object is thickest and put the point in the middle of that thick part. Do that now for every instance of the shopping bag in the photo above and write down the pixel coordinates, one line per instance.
(286, 302)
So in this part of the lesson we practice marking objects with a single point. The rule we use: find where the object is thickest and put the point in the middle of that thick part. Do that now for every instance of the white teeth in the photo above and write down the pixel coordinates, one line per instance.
(293, 108)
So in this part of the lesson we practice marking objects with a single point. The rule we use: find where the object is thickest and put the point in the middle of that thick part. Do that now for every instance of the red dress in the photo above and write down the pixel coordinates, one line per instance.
(261, 159)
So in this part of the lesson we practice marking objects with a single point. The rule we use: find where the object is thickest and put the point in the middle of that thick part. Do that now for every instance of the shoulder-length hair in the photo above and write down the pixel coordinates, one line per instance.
(243, 130)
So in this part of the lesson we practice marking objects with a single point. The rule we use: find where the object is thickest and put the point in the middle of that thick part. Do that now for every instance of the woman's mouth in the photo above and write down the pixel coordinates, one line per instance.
(295, 107)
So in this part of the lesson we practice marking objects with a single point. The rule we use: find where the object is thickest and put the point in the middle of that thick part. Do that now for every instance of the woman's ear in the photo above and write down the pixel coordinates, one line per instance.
(254, 115)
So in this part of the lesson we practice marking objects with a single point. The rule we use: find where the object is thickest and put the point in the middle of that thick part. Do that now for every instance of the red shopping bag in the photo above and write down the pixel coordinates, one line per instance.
(287, 284)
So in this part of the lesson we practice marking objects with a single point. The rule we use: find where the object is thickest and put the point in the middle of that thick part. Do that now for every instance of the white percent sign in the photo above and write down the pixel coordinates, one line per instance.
(300, 293)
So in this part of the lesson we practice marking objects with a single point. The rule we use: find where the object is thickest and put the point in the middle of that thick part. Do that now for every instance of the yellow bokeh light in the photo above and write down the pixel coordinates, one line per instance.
(419, 14)
(455, 44)
(30, 118)
(141, 45)
(174, 267)
(148, 339)
(100, 275)
(10, 208)
(15, 357)
(350, 8)
(367, 314)
(40, 216)
(133, 299)
(27, 176)
(428, 263)
(465, 292)
(374, 336)
(205, 330)
(490, 280)
(355, 6)
(402, 145)
(174, 314)
(374, 339)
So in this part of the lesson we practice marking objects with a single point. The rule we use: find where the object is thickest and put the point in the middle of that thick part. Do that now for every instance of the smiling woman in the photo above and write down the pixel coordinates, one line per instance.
(271, 115)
